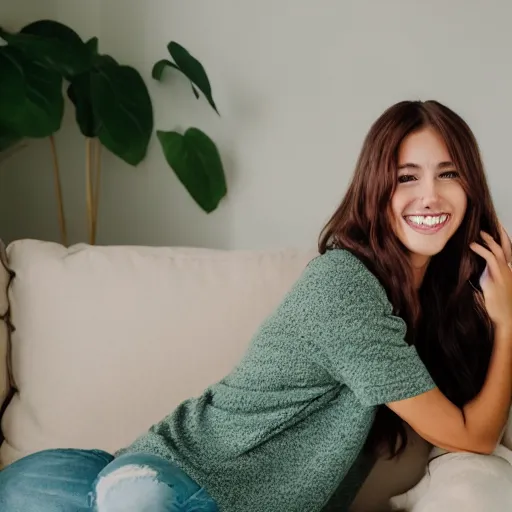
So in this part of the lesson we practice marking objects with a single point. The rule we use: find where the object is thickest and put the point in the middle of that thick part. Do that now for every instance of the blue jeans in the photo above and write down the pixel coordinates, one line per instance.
(92, 480)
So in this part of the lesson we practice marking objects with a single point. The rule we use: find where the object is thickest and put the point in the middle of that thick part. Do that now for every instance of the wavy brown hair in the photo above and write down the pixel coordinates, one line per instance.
(446, 317)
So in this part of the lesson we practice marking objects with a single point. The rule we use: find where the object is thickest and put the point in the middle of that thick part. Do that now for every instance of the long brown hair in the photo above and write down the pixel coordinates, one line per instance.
(446, 319)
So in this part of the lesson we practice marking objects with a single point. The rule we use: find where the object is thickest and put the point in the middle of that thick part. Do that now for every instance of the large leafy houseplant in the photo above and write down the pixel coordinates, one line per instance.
(47, 60)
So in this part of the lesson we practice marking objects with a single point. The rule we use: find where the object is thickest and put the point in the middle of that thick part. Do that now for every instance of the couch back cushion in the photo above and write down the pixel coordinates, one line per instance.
(108, 340)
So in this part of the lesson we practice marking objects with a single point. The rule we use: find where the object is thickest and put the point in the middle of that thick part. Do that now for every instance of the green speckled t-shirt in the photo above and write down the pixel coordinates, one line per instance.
(282, 430)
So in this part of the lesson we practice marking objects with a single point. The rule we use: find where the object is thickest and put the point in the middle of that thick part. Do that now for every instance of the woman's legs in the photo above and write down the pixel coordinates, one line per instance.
(146, 483)
(84, 480)
(51, 481)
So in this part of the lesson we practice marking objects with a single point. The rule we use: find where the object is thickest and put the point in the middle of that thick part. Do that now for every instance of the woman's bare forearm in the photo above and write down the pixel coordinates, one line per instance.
(488, 413)
(442, 423)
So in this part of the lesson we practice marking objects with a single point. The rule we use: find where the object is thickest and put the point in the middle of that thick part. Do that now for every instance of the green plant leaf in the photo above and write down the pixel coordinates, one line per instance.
(79, 92)
(31, 100)
(51, 44)
(197, 164)
(159, 67)
(104, 60)
(193, 70)
(123, 107)
(8, 139)
(92, 45)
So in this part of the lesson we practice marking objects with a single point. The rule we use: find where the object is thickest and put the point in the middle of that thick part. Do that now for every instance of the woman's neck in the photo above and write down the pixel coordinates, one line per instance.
(419, 268)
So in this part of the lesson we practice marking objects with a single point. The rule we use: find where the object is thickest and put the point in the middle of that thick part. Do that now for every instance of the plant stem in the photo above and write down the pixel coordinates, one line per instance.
(58, 193)
(88, 188)
(96, 188)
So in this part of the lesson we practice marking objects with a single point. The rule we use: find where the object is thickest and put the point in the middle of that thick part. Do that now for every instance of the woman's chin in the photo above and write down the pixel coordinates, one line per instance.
(422, 255)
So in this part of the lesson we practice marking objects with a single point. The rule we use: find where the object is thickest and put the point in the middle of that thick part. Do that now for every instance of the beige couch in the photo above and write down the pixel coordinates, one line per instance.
(108, 340)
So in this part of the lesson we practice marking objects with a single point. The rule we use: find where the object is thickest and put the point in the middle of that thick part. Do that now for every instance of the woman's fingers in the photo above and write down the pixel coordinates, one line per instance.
(496, 248)
(506, 244)
(489, 257)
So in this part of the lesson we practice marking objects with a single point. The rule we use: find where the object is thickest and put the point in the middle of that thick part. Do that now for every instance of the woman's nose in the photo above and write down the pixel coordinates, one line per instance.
(429, 191)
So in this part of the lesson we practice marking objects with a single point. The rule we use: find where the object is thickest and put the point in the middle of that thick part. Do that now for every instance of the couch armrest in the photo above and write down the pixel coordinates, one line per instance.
(6, 276)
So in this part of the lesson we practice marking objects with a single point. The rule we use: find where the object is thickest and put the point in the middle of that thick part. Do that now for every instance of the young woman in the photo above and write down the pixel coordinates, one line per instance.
(395, 321)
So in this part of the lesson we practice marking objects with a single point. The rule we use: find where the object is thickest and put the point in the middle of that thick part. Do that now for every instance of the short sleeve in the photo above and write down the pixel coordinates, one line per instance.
(348, 319)
(377, 364)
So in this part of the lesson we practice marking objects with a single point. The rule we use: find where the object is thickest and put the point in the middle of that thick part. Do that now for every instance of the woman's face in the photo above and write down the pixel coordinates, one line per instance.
(429, 202)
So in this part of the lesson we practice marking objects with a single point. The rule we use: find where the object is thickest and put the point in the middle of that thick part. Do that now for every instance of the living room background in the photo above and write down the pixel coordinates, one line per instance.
(297, 84)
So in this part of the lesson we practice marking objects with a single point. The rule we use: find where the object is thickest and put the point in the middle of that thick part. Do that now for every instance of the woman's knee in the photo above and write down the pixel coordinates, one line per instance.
(140, 482)
(59, 479)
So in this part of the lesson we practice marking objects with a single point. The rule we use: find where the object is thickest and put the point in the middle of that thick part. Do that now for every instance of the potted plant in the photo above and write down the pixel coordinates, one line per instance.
(113, 110)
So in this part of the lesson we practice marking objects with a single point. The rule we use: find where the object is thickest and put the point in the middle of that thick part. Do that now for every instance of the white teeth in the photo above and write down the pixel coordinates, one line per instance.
(427, 220)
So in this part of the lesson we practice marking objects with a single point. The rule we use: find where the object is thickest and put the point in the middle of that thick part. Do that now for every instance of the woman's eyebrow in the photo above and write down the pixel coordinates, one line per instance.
(409, 166)
(444, 165)
(440, 165)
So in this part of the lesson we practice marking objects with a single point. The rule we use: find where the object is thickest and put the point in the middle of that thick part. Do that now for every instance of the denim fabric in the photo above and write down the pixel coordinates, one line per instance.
(92, 480)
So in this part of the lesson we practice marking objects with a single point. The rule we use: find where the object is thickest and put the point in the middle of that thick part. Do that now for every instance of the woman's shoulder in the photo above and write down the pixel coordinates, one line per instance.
(338, 273)
(342, 266)
(336, 260)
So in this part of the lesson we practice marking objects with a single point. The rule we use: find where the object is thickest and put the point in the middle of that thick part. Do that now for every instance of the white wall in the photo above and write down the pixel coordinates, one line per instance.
(298, 83)
(20, 12)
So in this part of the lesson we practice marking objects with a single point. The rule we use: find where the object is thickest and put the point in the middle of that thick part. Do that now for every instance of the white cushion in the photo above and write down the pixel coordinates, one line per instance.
(109, 340)
(462, 481)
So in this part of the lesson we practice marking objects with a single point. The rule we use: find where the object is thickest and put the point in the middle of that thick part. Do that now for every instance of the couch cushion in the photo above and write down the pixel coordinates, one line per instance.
(108, 340)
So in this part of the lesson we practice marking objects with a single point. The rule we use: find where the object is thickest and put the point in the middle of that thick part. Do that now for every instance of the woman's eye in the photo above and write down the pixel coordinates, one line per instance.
(450, 175)
(406, 178)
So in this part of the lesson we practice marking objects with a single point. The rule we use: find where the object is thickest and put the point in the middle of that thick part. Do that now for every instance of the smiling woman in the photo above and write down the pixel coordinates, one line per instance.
(420, 178)
(361, 344)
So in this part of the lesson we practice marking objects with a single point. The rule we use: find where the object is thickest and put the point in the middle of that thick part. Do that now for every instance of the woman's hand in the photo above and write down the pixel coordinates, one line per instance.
(497, 284)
